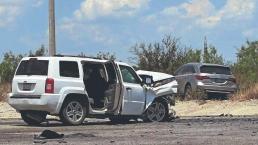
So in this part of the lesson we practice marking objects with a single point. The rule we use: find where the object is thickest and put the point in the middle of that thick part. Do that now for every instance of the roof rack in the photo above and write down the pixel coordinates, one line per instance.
(59, 55)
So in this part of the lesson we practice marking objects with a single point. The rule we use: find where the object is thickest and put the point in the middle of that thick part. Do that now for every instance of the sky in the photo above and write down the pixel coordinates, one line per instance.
(114, 26)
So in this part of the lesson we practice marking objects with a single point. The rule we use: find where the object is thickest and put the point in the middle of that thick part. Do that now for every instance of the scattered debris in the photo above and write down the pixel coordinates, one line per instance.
(80, 135)
(48, 135)
(225, 115)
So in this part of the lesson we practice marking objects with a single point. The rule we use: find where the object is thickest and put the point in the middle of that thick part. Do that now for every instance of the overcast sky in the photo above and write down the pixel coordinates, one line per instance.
(115, 26)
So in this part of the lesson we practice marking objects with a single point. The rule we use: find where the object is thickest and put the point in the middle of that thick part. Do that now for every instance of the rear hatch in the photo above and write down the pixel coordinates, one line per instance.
(30, 77)
(216, 75)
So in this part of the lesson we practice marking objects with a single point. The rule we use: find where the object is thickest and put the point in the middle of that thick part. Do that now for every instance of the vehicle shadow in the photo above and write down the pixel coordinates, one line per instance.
(57, 123)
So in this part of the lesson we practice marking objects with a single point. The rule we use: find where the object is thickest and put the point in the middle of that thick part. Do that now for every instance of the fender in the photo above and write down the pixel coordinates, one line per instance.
(66, 91)
(150, 97)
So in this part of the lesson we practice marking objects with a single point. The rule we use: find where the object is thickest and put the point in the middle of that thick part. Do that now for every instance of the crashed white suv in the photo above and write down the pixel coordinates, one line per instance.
(74, 88)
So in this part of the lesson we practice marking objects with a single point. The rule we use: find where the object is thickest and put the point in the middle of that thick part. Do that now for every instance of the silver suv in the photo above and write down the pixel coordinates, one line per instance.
(200, 79)
(75, 88)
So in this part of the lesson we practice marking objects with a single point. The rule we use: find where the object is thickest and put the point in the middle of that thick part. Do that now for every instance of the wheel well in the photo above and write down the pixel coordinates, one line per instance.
(162, 99)
(82, 97)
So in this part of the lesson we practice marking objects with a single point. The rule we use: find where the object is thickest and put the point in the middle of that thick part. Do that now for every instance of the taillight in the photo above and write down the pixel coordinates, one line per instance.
(198, 77)
(49, 88)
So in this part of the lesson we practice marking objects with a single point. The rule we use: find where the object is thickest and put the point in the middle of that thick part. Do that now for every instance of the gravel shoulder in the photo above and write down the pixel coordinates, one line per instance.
(186, 130)
(186, 108)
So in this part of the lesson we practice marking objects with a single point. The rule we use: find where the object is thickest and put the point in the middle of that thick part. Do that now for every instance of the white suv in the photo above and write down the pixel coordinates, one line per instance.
(74, 88)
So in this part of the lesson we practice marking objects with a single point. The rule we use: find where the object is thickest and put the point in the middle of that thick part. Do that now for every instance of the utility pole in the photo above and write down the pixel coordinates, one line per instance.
(52, 33)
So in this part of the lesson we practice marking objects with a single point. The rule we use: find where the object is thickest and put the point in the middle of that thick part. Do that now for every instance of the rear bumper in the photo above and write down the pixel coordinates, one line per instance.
(217, 89)
(45, 102)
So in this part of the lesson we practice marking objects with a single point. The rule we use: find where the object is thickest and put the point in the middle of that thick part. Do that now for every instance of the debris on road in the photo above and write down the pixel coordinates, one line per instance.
(225, 115)
(48, 135)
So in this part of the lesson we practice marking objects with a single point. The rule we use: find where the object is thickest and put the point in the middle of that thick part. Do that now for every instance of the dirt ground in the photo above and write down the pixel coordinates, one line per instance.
(186, 130)
(186, 108)
(239, 128)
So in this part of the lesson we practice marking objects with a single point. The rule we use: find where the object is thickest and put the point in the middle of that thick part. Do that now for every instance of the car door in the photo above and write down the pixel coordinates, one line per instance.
(133, 92)
(115, 88)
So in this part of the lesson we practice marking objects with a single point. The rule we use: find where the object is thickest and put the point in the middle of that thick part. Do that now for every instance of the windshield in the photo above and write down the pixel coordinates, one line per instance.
(33, 67)
(215, 70)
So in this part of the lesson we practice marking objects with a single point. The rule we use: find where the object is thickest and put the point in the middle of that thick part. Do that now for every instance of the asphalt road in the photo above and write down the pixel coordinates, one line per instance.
(186, 130)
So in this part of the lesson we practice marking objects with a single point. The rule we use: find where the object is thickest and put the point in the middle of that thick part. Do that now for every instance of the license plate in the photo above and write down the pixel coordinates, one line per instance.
(26, 87)
(219, 80)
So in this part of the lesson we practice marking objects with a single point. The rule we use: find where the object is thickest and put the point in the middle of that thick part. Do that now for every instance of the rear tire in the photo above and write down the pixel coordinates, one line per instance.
(188, 94)
(73, 112)
(33, 118)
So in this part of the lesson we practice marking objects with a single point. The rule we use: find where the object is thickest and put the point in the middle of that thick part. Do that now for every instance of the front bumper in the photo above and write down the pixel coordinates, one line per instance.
(46, 102)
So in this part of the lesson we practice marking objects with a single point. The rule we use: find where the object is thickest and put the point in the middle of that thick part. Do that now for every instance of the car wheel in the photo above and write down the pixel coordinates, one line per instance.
(188, 92)
(33, 118)
(156, 112)
(73, 112)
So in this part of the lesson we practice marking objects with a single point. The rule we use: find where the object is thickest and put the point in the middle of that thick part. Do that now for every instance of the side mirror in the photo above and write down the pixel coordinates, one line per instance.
(148, 80)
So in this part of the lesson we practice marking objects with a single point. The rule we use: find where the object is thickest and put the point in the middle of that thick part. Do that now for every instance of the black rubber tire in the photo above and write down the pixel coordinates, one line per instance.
(188, 89)
(65, 119)
(166, 116)
(33, 118)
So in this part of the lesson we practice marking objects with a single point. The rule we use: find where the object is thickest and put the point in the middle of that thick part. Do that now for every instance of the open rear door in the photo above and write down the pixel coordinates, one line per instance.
(114, 92)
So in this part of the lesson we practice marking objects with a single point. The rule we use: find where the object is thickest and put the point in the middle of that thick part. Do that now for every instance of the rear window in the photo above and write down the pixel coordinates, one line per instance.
(33, 67)
(216, 70)
(69, 69)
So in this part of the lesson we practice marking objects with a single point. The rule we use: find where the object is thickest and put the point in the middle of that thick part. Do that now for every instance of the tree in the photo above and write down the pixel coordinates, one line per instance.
(8, 66)
(106, 56)
(165, 56)
(246, 67)
(210, 54)
(42, 51)
(11, 61)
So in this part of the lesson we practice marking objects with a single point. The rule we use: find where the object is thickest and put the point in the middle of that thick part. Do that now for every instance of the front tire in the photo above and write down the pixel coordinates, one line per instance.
(156, 112)
(33, 118)
(73, 112)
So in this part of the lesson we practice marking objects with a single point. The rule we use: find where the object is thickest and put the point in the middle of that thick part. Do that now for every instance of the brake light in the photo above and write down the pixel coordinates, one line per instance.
(49, 88)
(198, 77)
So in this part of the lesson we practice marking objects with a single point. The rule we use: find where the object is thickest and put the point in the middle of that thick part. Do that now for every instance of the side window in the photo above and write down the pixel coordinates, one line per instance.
(111, 72)
(129, 75)
(192, 69)
(189, 69)
(69, 69)
(179, 71)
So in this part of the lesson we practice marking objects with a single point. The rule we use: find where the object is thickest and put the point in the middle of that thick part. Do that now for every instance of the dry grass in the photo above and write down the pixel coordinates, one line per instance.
(4, 90)
(246, 94)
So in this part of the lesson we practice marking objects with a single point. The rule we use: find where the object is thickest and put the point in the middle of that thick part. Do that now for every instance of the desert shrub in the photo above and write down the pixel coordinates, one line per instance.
(246, 93)
(4, 90)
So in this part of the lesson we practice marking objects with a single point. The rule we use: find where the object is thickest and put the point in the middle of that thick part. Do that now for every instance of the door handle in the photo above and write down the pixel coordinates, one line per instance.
(128, 89)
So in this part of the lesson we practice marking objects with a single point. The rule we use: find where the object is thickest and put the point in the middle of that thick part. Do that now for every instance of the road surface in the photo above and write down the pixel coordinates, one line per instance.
(185, 130)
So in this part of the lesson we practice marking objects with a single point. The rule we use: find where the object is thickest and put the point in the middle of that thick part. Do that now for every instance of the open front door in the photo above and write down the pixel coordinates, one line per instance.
(114, 91)
(134, 94)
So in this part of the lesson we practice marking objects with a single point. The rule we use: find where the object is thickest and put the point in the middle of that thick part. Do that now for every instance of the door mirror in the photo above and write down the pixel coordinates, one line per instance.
(146, 79)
